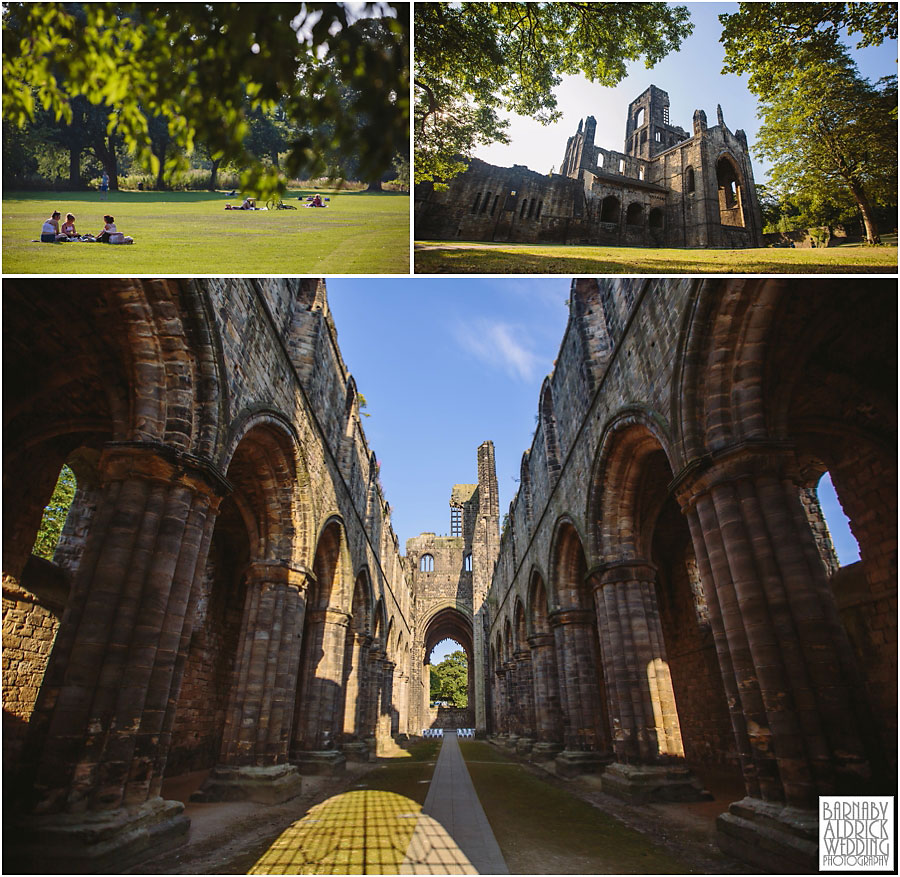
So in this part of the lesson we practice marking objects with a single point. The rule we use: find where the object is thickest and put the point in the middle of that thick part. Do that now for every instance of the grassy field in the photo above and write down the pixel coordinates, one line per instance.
(192, 233)
(464, 257)
(542, 829)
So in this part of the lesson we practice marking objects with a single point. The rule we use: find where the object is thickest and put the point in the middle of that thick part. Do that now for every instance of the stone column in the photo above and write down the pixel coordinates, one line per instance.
(501, 703)
(547, 711)
(583, 735)
(253, 763)
(101, 731)
(526, 701)
(397, 698)
(373, 691)
(513, 705)
(641, 701)
(797, 707)
(356, 699)
(384, 727)
(321, 708)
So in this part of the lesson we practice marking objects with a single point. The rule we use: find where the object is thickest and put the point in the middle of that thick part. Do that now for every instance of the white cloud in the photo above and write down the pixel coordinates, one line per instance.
(501, 346)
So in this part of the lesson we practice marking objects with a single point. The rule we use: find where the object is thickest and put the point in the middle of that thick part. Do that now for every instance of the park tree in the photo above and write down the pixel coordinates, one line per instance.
(828, 131)
(477, 60)
(450, 679)
(193, 64)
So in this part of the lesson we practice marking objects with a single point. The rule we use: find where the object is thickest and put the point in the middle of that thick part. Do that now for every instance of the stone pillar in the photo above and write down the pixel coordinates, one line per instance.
(253, 763)
(797, 708)
(373, 690)
(513, 723)
(101, 731)
(646, 735)
(397, 698)
(547, 711)
(583, 736)
(526, 701)
(321, 708)
(501, 703)
(356, 705)
(384, 728)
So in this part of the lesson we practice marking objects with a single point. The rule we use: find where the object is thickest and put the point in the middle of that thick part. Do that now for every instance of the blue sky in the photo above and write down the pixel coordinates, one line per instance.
(691, 76)
(447, 363)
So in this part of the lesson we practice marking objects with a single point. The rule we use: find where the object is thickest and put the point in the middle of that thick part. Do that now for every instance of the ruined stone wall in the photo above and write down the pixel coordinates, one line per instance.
(653, 206)
(238, 376)
(631, 392)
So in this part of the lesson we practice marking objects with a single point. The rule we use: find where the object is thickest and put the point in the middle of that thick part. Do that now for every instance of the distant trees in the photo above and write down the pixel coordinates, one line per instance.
(450, 680)
(202, 67)
(830, 133)
(55, 514)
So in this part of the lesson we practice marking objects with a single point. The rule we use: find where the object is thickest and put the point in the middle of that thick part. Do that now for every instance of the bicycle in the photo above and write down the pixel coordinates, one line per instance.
(278, 204)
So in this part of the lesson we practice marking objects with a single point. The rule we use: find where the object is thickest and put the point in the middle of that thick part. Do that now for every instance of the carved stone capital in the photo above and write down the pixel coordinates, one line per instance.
(744, 460)
(570, 616)
(541, 640)
(329, 616)
(619, 571)
(154, 461)
(266, 572)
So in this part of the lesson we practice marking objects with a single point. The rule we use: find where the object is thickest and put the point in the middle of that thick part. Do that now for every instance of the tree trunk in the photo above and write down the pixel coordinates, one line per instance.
(865, 208)
(214, 175)
(375, 187)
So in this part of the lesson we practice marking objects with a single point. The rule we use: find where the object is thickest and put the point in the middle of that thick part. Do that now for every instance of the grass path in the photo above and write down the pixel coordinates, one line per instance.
(542, 829)
(192, 233)
(463, 257)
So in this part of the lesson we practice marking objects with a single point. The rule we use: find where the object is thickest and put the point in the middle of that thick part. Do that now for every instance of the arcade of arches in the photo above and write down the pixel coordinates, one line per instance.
(663, 606)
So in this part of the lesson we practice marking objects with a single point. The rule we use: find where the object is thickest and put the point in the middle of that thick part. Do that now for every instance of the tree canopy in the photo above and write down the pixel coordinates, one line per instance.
(768, 40)
(344, 81)
(450, 679)
(830, 133)
(475, 60)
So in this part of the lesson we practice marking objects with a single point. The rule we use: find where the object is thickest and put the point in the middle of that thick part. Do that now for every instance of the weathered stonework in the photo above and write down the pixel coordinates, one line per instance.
(666, 563)
(668, 188)
(664, 603)
(228, 593)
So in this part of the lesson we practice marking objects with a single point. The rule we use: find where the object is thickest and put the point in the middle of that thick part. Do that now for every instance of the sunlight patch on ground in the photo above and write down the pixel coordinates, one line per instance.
(362, 832)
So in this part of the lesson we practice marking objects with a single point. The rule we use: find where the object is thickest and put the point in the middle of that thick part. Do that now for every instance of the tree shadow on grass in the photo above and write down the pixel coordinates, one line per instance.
(486, 260)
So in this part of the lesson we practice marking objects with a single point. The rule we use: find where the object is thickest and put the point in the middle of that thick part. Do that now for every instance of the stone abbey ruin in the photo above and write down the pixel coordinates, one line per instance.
(668, 188)
(661, 606)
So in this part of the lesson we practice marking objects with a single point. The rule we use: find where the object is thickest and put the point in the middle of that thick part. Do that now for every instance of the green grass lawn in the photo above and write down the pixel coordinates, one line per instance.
(542, 829)
(463, 257)
(192, 233)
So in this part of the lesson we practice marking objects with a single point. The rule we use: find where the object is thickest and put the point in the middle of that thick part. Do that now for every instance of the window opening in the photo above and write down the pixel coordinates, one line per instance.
(540, 205)
(524, 208)
(455, 521)
(621, 165)
(55, 513)
(426, 563)
(475, 205)
(494, 206)
(838, 524)
(467, 562)
(487, 200)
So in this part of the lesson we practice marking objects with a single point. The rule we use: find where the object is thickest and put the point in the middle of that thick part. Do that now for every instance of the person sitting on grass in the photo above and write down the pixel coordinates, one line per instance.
(249, 204)
(67, 232)
(50, 229)
(109, 228)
